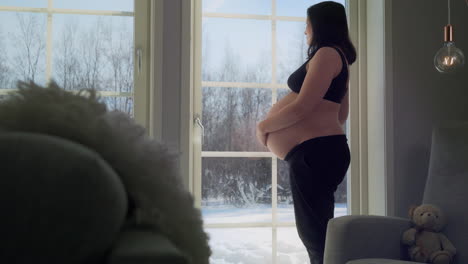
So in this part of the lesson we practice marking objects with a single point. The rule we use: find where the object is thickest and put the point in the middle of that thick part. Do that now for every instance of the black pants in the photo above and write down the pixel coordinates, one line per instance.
(316, 168)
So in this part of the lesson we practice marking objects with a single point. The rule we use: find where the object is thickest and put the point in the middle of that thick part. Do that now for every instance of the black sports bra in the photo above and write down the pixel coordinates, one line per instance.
(338, 86)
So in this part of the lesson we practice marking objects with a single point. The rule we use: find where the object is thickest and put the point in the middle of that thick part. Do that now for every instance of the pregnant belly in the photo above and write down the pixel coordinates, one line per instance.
(282, 141)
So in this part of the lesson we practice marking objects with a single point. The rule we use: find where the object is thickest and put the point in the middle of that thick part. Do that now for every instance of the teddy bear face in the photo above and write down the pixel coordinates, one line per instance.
(428, 217)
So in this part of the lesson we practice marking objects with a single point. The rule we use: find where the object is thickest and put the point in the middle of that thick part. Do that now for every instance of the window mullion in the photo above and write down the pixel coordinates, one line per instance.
(49, 41)
(236, 154)
(54, 11)
(274, 245)
(257, 17)
(274, 160)
(141, 76)
(91, 12)
(243, 85)
(274, 190)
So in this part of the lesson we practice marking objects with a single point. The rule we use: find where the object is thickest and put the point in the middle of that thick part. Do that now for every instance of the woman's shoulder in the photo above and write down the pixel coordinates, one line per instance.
(326, 54)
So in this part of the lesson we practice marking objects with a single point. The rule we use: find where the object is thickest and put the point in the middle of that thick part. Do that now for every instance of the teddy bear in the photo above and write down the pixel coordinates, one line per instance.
(425, 241)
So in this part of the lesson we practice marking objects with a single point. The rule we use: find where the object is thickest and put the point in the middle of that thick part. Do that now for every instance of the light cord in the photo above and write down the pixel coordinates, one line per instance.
(449, 11)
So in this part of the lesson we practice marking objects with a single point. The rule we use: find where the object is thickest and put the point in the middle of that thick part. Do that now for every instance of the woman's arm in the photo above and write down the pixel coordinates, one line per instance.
(262, 137)
(323, 67)
(281, 103)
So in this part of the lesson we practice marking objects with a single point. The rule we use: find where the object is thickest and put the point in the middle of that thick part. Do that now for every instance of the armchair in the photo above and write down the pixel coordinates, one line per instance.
(376, 239)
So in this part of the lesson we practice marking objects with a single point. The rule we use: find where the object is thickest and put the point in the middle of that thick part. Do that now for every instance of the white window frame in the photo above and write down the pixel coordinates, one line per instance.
(358, 36)
(198, 153)
(141, 42)
(371, 107)
(379, 106)
(358, 183)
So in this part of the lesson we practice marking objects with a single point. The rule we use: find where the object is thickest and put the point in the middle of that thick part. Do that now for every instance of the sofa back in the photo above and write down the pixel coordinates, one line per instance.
(59, 201)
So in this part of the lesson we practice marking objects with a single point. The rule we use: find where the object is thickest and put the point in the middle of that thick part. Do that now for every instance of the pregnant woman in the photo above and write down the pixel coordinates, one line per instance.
(305, 128)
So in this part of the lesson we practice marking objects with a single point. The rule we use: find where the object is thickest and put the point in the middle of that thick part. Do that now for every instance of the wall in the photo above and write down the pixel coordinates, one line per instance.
(422, 97)
(171, 91)
(172, 78)
(172, 112)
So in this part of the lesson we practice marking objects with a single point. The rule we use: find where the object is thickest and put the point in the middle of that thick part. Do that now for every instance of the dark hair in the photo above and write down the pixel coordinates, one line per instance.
(330, 28)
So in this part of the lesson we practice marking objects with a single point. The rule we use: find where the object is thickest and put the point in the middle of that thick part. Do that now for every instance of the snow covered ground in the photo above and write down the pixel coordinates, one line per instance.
(255, 245)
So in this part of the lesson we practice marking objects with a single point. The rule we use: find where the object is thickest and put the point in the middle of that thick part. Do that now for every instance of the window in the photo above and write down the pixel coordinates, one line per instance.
(79, 44)
(247, 50)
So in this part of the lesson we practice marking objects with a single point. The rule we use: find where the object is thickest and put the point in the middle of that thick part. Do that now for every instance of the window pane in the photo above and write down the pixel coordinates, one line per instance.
(299, 8)
(23, 42)
(290, 247)
(93, 52)
(24, 3)
(341, 198)
(110, 5)
(257, 7)
(241, 245)
(236, 50)
(6, 71)
(291, 48)
(124, 104)
(285, 201)
(230, 116)
(236, 190)
(282, 93)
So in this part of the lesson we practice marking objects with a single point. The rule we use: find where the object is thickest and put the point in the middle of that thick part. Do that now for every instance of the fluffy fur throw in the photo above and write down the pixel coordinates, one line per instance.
(145, 167)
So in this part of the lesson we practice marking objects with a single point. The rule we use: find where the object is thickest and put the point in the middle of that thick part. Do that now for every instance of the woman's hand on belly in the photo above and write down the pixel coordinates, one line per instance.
(280, 142)
(262, 136)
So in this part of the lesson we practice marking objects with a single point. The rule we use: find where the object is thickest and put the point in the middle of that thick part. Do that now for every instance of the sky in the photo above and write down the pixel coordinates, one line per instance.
(295, 8)
(9, 23)
(108, 5)
(249, 40)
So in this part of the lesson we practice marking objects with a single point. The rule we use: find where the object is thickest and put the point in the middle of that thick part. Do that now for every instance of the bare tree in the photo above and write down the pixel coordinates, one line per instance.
(206, 40)
(230, 116)
(253, 104)
(222, 106)
(240, 182)
(91, 51)
(99, 57)
(230, 67)
(5, 72)
(29, 45)
(119, 59)
(297, 47)
(67, 62)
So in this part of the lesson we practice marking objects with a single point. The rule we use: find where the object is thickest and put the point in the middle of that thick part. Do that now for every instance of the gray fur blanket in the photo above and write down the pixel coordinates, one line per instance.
(145, 167)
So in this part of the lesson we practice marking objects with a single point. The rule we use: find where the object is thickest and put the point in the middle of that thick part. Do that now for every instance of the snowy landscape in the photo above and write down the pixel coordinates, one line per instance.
(254, 245)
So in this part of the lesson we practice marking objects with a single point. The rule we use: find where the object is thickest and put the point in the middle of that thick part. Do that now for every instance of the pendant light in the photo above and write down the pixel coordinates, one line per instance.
(449, 58)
